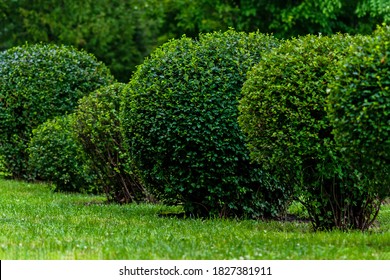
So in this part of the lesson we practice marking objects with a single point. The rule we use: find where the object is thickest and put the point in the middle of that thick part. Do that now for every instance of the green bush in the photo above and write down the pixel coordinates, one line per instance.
(56, 156)
(37, 83)
(359, 109)
(282, 111)
(3, 170)
(179, 119)
(98, 129)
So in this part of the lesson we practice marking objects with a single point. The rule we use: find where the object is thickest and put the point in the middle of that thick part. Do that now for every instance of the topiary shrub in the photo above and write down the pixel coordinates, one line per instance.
(97, 127)
(359, 109)
(37, 83)
(57, 157)
(282, 112)
(179, 119)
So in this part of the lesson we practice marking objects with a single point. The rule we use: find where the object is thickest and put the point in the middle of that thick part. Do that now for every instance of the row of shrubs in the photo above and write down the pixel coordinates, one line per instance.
(230, 125)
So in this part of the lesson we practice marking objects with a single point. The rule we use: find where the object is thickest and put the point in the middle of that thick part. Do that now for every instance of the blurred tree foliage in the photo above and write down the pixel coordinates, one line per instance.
(122, 32)
(118, 32)
(284, 18)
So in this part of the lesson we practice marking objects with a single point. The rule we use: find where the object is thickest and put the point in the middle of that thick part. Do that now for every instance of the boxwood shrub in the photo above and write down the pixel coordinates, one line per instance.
(97, 127)
(55, 156)
(179, 118)
(37, 83)
(283, 114)
(359, 109)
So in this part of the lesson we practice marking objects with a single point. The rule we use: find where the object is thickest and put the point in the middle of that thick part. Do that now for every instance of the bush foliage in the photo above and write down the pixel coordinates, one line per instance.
(37, 83)
(179, 118)
(57, 157)
(359, 108)
(289, 132)
(97, 127)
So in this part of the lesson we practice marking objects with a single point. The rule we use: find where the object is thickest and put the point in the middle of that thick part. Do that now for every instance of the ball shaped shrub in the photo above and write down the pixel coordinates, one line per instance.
(55, 156)
(282, 112)
(359, 108)
(179, 119)
(37, 83)
(97, 127)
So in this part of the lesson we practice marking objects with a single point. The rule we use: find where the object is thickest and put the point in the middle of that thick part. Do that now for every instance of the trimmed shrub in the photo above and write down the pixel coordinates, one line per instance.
(37, 83)
(98, 129)
(179, 119)
(282, 111)
(56, 156)
(359, 109)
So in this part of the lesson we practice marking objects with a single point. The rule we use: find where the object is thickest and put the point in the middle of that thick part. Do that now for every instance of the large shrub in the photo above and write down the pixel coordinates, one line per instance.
(57, 157)
(39, 82)
(359, 108)
(98, 129)
(289, 132)
(179, 118)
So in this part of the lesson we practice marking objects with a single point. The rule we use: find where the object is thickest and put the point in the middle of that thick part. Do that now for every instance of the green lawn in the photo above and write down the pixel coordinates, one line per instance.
(36, 223)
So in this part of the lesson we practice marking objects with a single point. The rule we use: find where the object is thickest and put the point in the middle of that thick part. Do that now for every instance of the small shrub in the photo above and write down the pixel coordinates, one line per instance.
(55, 156)
(359, 109)
(289, 133)
(37, 83)
(179, 119)
(98, 129)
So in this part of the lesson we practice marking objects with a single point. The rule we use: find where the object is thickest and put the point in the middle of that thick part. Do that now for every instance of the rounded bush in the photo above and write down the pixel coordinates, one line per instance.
(57, 157)
(37, 83)
(359, 108)
(282, 112)
(97, 127)
(179, 119)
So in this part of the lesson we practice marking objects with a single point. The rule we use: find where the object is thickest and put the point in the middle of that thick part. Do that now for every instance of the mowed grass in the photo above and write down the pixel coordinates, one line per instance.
(38, 224)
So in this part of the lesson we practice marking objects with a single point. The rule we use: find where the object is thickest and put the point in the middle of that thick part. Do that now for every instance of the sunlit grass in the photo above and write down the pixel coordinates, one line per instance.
(36, 223)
